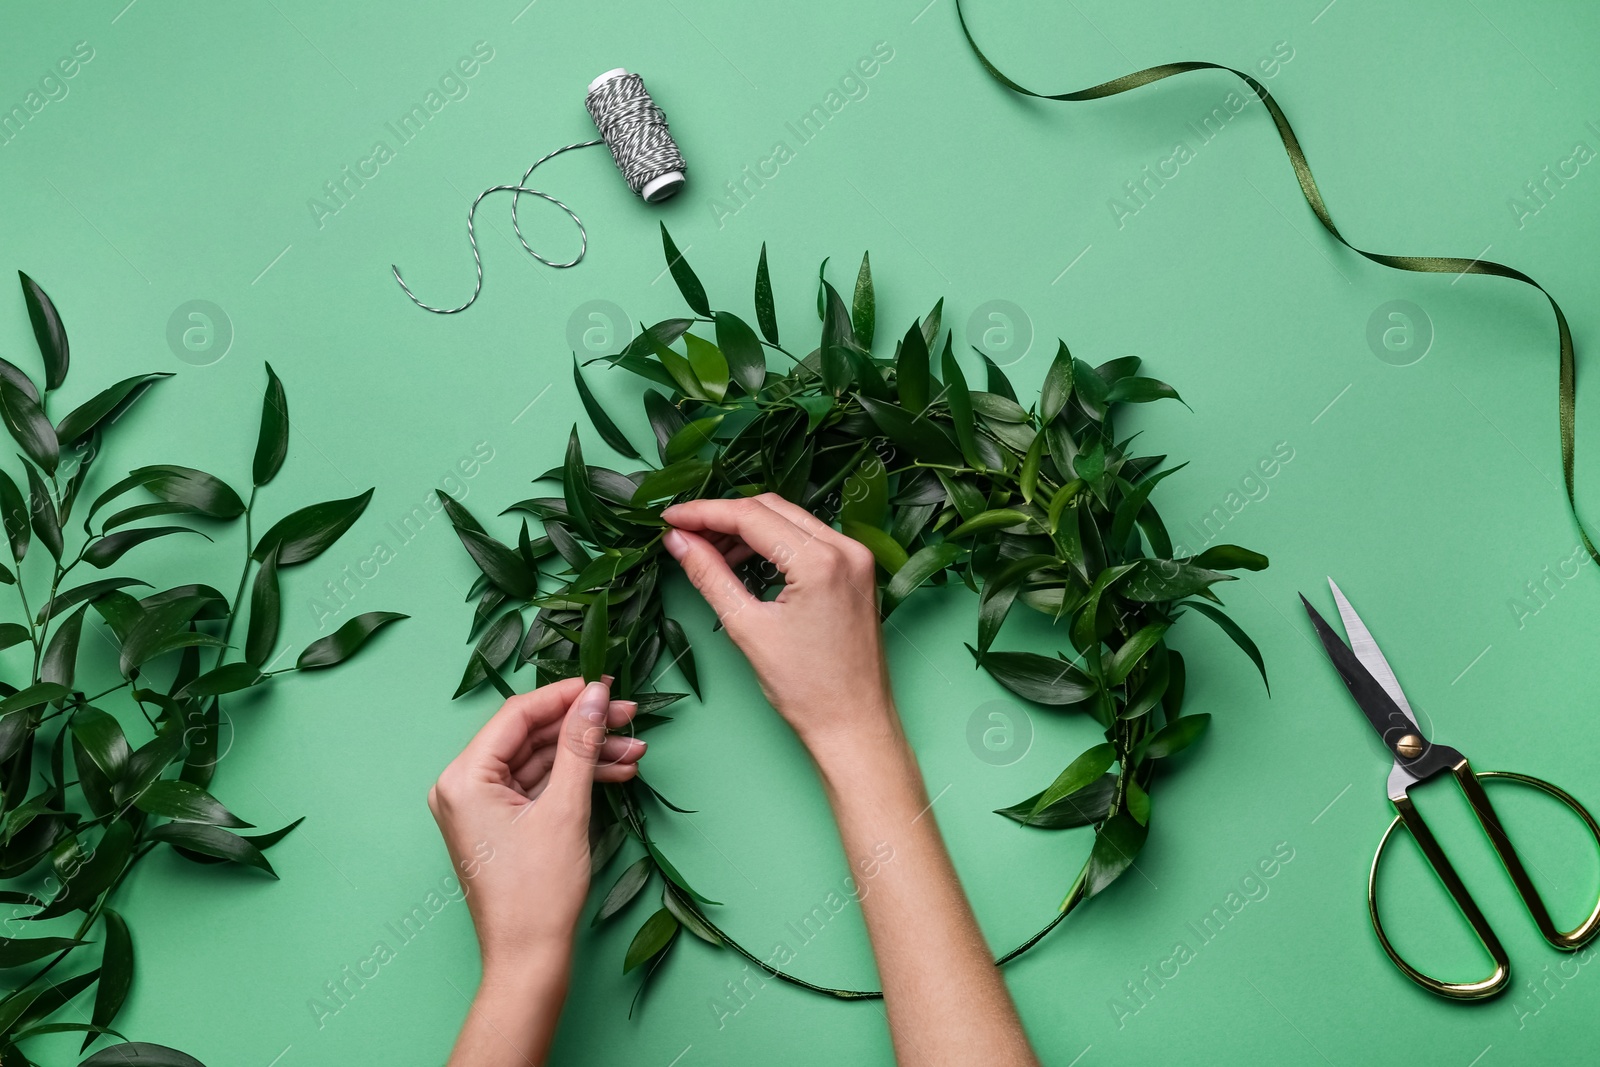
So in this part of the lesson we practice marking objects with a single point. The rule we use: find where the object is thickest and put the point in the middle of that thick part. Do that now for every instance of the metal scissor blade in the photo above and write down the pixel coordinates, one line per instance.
(1367, 651)
(1380, 709)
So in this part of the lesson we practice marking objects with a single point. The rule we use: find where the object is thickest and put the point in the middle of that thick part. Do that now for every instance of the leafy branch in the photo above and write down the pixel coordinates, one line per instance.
(1042, 506)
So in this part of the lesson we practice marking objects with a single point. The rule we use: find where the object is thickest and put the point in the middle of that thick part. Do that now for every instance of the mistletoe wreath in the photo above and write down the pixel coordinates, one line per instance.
(1041, 506)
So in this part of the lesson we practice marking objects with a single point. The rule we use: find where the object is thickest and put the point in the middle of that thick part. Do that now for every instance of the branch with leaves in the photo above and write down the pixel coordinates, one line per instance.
(142, 748)
(1040, 506)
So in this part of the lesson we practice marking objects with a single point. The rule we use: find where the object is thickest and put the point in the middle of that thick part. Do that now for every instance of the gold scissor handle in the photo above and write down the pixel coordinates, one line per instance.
(1471, 785)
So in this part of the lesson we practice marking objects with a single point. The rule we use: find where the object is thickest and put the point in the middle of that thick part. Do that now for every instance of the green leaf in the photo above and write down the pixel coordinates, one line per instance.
(681, 375)
(998, 408)
(746, 362)
(694, 294)
(116, 971)
(999, 519)
(1057, 387)
(692, 438)
(603, 425)
(29, 427)
(305, 534)
(579, 494)
(1238, 636)
(186, 801)
(682, 655)
(1132, 651)
(203, 492)
(930, 324)
(688, 915)
(265, 613)
(1078, 774)
(15, 515)
(48, 331)
(110, 548)
(919, 568)
(60, 660)
(1087, 806)
(1133, 503)
(596, 638)
(998, 384)
(766, 314)
(964, 493)
(346, 641)
(1090, 390)
(33, 696)
(1028, 478)
(272, 440)
(863, 308)
(1133, 390)
(46, 522)
(89, 591)
(627, 887)
(211, 841)
(16, 951)
(1231, 558)
(1037, 678)
(866, 493)
(1162, 579)
(228, 678)
(885, 549)
(503, 566)
(960, 401)
(493, 650)
(12, 633)
(917, 434)
(1116, 844)
(108, 403)
(140, 1054)
(1176, 736)
(651, 940)
(671, 480)
(911, 370)
(838, 337)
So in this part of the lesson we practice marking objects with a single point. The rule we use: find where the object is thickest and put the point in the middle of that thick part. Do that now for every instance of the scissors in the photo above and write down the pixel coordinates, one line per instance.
(1417, 759)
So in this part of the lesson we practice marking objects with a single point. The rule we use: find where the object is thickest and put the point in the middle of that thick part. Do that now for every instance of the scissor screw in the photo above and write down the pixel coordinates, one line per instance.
(1410, 746)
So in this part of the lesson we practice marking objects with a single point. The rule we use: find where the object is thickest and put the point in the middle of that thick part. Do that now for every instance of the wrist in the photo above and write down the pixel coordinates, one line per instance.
(524, 972)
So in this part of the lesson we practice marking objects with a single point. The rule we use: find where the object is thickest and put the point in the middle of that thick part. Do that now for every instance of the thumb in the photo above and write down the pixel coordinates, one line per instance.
(582, 733)
(709, 572)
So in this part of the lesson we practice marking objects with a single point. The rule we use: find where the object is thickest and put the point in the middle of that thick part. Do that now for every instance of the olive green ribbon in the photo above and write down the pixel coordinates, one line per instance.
(1566, 399)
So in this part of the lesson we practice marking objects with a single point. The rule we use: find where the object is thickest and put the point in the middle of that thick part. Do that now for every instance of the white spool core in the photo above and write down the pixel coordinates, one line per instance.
(657, 189)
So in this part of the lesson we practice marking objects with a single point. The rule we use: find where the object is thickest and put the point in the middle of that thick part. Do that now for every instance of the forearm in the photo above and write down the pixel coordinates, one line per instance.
(513, 1019)
(946, 1000)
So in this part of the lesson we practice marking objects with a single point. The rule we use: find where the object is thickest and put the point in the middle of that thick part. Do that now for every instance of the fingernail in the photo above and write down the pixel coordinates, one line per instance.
(593, 702)
(638, 745)
(608, 679)
(675, 544)
(629, 706)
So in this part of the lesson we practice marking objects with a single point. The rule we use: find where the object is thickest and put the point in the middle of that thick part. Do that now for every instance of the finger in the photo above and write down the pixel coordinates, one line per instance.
(573, 770)
(616, 772)
(621, 750)
(759, 526)
(532, 761)
(709, 572)
(803, 519)
(508, 729)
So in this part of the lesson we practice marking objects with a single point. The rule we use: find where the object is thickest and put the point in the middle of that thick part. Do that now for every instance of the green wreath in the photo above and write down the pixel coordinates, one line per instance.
(1040, 506)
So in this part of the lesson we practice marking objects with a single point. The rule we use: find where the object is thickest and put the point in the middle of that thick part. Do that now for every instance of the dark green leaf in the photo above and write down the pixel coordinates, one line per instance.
(15, 514)
(140, 1054)
(1057, 388)
(694, 294)
(885, 549)
(347, 640)
(265, 613)
(1037, 678)
(1133, 503)
(863, 308)
(1238, 636)
(1163, 579)
(60, 660)
(1116, 844)
(581, 503)
(46, 522)
(1132, 651)
(204, 492)
(186, 801)
(603, 425)
(48, 331)
(596, 632)
(228, 678)
(998, 519)
(32, 697)
(682, 654)
(1078, 775)
(651, 940)
(911, 370)
(917, 434)
(671, 480)
(305, 534)
(12, 633)
(624, 890)
(212, 841)
(997, 383)
(1176, 736)
(492, 651)
(1231, 558)
(866, 493)
(116, 971)
(746, 362)
(1140, 391)
(89, 591)
(272, 441)
(923, 565)
(1087, 806)
(838, 337)
(106, 404)
(960, 401)
(110, 548)
(692, 438)
(766, 314)
(16, 951)
(501, 565)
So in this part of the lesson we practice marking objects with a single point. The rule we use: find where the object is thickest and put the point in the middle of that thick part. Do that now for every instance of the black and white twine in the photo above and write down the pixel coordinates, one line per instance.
(635, 130)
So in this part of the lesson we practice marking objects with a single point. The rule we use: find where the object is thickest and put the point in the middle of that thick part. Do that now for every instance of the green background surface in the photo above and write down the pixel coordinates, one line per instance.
(180, 164)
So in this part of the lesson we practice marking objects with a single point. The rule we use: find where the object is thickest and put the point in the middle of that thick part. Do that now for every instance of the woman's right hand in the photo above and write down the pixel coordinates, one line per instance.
(817, 648)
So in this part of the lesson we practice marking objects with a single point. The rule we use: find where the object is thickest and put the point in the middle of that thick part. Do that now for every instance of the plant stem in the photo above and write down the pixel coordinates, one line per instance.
(244, 576)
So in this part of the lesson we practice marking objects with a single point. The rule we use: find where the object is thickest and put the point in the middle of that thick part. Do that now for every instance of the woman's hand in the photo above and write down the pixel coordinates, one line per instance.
(514, 812)
(817, 648)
